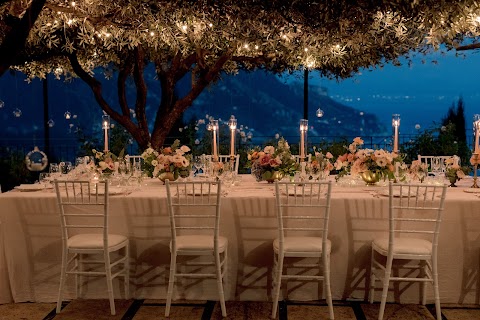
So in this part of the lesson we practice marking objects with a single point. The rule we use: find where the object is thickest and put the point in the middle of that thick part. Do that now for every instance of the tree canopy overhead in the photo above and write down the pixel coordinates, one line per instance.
(336, 37)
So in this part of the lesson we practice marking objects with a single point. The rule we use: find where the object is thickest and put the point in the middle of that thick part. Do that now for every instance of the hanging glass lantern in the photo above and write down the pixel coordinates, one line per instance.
(67, 115)
(17, 113)
(50, 123)
(2, 104)
(319, 113)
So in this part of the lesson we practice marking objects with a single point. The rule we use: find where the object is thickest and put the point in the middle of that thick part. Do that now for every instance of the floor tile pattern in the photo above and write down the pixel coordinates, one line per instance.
(236, 310)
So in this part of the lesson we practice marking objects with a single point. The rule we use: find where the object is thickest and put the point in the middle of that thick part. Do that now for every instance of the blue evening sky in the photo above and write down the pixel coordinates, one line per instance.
(420, 93)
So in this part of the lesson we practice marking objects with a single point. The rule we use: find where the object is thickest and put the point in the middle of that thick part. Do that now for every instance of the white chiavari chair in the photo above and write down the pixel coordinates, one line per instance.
(194, 211)
(227, 159)
(435, 163)
(415, 212)
(302, 210)
(85, 207)
(308, 158)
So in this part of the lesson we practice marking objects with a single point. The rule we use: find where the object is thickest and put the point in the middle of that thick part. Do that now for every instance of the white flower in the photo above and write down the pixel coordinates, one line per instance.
(154, 163)
(185, 148)
(269, 149)
(149, 151)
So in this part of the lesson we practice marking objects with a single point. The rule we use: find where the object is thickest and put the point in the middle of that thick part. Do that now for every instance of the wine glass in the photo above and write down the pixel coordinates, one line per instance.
(44, 179)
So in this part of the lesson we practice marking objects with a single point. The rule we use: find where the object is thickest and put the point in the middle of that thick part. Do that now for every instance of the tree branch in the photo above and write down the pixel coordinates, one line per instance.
(468, 47)
(138, 77)
(123, 74)
(15, 40)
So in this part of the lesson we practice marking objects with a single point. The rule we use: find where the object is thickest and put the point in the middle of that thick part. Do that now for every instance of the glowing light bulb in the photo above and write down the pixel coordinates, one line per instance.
(256, 47)
(246, 46)
(73, 3)
(69, 22)
(306, 49)
(210, 24)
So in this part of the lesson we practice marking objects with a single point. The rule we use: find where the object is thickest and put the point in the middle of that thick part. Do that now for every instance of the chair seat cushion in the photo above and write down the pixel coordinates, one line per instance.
(199, 242)
(413, 246)
(302, 244)
(94, 241)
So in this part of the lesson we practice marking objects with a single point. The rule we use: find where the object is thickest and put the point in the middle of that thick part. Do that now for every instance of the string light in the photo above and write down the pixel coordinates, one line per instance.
(73, 3)
(152, 33)
(184, 28)
(210, 24)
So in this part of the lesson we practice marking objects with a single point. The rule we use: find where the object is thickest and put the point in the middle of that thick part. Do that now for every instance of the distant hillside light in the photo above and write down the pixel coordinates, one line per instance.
(319, 113)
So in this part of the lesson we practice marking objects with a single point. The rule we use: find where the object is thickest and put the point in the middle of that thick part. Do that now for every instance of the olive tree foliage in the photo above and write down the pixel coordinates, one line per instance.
(202, 39)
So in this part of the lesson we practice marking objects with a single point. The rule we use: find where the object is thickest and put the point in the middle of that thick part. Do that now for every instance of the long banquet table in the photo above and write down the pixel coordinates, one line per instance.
(30, 246)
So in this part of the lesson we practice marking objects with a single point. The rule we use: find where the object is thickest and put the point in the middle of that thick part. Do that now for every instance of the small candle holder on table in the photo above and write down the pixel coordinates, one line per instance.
(232, 124)
(476, 150)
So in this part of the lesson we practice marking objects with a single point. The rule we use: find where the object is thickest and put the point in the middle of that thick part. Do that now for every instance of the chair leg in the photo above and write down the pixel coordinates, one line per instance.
(171, 281)
(436, 292)
(80, 277)
(63, 276)
(108, 272)
(371, 294)
(76, 266)
(386, 282)
(278, 283)
(127, 271)
(221, 292)
(328, 292)
(424, 284)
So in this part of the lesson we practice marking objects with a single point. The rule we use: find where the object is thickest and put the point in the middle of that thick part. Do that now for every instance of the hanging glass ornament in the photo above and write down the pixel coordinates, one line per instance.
(50, 123)
(319, 113)
(67, 115)
(17, 113)
(2, 104)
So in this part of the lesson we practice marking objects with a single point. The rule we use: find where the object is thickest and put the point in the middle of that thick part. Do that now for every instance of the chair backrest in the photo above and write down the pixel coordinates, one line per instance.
(83, 205)
(226, 159)
(303, 208)
(134, 160)
(416, 209)
(431, 159)
(194, 208)
(297, 158)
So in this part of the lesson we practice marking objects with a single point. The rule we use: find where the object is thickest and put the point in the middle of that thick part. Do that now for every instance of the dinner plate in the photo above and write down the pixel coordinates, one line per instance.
(471, 190)
(111, 190)
(31, 187)
(396, 193)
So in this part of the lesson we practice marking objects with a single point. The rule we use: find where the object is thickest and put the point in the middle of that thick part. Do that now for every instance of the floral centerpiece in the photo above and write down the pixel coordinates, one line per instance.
(371, 165)
(418, 170)
(168, 163)
(453, 170)
(272, 163)
(320, 165)
(104, 163)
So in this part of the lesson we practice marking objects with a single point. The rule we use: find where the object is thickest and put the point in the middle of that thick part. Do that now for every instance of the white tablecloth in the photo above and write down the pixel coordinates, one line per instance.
(30, 246)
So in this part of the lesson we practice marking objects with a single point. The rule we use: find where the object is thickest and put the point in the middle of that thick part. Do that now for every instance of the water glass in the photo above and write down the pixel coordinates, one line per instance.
(44, 179)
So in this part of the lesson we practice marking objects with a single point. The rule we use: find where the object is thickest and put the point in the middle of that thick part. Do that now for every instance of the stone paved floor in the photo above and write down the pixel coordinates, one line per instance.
(205, 310)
